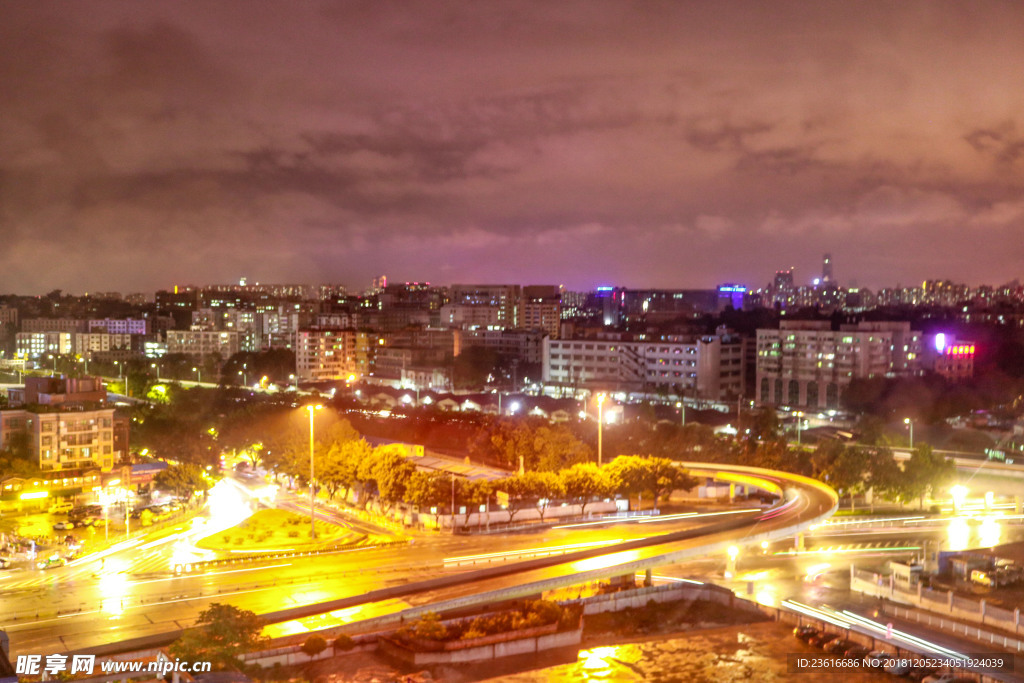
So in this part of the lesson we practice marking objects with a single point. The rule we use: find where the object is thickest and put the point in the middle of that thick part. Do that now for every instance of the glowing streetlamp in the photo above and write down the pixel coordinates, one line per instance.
(199, 375)
(682, 413)
(730, 569)
(312, 488)
(959, 494)
(600, 428)
(157, 367)
(907, 421)
(799, 420)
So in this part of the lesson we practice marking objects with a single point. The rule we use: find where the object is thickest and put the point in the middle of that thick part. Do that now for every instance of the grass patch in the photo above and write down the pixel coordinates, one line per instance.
(271, 530)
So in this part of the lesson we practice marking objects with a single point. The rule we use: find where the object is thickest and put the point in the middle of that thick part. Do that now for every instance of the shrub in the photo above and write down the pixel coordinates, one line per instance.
(429, 627)
(293, 533)
(314, 645)
(344, 643)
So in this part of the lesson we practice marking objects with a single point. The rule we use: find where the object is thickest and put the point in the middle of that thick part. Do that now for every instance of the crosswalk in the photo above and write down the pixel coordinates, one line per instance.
(144, 565)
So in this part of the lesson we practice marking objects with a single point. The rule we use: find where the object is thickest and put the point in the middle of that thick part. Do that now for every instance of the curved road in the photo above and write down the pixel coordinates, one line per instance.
(116, 608)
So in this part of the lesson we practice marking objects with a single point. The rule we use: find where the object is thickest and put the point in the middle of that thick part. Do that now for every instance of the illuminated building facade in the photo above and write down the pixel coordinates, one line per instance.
(807, 364)
(324, 354)
(709, 367)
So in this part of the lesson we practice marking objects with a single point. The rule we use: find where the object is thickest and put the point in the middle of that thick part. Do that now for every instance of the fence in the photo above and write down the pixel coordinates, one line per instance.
(944, 603)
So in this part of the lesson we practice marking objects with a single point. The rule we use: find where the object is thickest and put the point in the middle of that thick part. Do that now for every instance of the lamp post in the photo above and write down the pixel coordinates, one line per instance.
(600, 428)
(52, 356)
(799, 419)
(682, 413)
(910, 423)
(312, 488)
(199, 374)
(157, 367)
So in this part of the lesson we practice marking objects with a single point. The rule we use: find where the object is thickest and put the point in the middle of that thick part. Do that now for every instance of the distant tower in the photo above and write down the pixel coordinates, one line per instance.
(826, 269)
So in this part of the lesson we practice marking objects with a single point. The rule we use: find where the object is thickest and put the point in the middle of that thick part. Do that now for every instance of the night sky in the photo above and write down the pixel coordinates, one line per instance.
(641, 144)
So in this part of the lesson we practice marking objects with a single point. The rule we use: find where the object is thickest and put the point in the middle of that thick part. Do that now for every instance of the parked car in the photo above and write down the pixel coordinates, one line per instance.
(61, 526)
(898, 666)
(822, 639)
(876, 659)
(838, 646)
(5, 563)
(919, 673)
(805, 632)
(856, 652)
(947, 677)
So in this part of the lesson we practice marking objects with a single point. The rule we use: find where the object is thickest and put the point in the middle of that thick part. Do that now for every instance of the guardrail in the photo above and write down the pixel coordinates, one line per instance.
(193, 567)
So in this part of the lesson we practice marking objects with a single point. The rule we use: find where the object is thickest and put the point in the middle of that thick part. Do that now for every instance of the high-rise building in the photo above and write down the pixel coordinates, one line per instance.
(324, 354)
(504, 298)
(805, 363)
(826, 269)
(541, 309)
(709, 366)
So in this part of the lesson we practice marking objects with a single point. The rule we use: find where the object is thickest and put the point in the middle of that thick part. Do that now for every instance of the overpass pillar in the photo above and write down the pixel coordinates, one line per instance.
(648, 579)
(798, 543)
(625, 580)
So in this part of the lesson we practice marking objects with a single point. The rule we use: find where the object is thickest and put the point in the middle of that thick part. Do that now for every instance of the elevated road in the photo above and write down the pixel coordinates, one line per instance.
(382, 583)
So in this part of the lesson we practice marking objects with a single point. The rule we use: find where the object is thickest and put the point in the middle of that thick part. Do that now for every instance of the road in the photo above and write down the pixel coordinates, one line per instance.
(125, 594)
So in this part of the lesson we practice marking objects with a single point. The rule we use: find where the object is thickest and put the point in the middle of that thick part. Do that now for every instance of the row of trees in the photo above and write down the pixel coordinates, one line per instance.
(276, 434)
(579, 484)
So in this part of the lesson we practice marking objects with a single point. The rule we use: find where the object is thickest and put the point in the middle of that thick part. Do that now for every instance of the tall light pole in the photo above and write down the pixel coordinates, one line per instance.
(157, 366)
(907, 421)
(799, 419)
(199, 374)
(600, 428)
(312, 488)
(682, 413)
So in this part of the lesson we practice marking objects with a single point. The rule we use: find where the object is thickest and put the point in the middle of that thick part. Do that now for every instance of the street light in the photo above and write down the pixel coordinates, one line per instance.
(799, 419)
(600, 427)
(199, 374)
(157, 367)
(910, 423)
(682, 413)
(312, 488)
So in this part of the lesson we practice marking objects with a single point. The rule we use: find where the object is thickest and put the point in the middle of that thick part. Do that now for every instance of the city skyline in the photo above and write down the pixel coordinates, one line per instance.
(662, 145)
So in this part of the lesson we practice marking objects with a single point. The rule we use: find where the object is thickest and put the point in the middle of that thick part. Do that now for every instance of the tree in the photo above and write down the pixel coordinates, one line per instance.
(847, 473)
(471, 494)
(583, 483)
(542, 487)
(182, 480)
(766, 425)
(631, 475)
(667, 477)
(517, 494)
(314, 645)
(222, 634)
(926, 472)
(340, 469)
(429, 490)
(884, 473)
(391, 472)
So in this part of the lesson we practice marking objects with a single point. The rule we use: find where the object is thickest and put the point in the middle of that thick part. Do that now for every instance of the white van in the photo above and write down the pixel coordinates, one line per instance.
(62, 507)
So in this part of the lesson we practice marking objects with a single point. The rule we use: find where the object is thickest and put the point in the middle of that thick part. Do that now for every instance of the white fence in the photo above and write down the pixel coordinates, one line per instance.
(943, 603)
